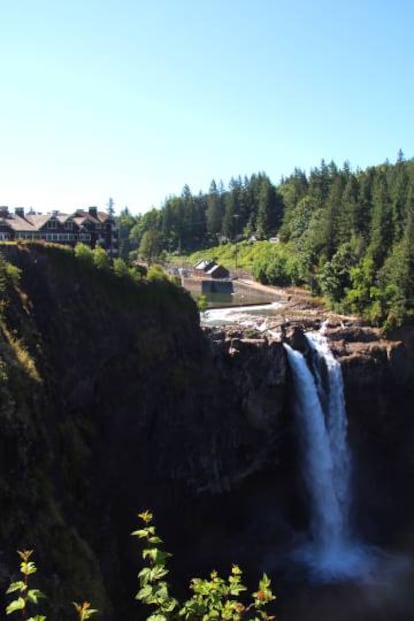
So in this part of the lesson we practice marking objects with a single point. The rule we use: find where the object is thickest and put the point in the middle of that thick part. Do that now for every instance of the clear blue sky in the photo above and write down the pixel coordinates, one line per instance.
(133, 99)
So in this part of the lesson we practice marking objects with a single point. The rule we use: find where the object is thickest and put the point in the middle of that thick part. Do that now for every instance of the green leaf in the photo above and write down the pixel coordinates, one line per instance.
(141, 533)
(171, 605)
(144, 532)
(37, 618)
(155, 539)
(264, 582)
(146, 516)
(145, 575)
(157, 556)
(145, 592)
(16, 586)
(33, 595)
(17, 604)
(28, 568)
(159, 572)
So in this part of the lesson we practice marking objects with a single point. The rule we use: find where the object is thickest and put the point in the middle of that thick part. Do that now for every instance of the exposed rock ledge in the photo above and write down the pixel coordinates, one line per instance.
(379, 391)
(358, 348)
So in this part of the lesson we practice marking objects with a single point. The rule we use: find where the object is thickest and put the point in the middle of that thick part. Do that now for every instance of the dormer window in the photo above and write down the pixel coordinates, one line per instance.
(69, 225)
(52, 224)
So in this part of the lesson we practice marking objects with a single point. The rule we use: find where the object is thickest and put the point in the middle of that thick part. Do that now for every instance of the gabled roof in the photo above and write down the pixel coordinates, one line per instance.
(36, 220)
(101, 216)
(214, 269)
(64, 217)
(17, 223)
(204, 264)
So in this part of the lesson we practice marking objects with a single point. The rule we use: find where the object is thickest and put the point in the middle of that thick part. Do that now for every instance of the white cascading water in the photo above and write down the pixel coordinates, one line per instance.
(326, 463)
(336, 422)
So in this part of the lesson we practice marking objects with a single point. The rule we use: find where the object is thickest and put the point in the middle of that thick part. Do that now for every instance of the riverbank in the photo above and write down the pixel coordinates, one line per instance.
(287, 306)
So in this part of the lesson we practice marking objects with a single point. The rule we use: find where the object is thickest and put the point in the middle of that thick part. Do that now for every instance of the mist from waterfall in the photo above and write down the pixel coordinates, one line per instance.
(332, 552)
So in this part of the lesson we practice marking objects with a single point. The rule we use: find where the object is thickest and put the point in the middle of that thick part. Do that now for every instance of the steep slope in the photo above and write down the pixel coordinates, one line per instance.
(113, 400)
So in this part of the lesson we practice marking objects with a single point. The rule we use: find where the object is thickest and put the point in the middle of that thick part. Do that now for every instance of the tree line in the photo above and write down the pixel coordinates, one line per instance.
(346, 234)
(189, 222)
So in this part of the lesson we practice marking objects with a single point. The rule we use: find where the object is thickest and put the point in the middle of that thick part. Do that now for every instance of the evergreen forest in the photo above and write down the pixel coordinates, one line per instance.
(345, 234)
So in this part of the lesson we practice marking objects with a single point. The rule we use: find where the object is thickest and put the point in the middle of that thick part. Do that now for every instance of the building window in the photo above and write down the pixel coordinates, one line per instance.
(52, 224)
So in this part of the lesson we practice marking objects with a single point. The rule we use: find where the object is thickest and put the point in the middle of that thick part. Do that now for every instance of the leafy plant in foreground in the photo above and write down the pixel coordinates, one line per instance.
(213, 598)
(84, 610)
(26, 597)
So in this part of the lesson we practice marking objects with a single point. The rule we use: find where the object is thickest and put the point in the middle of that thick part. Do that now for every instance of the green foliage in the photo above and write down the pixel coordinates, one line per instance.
(25, 597)
(157, 273)
(101, 259)
(202, 303)
(125, 223)
(276, 264)
(84, 610)
(84, 253)
(120, 267)
(13, 274)
(150, 245)
(334, 278)
(361, 293)
(10, 276)
(212, 598)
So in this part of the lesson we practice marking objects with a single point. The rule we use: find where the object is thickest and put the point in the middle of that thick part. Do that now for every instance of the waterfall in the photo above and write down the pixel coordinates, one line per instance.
(335, 420)
(322, 424)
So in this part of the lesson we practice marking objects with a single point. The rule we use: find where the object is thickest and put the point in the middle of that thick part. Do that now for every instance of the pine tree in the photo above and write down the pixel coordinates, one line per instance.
(381, 221)
(269, 209)
(229, 225)
(214, 214)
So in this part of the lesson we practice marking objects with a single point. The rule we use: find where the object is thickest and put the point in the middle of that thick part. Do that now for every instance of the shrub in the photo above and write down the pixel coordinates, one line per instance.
(27, 598)
(213, 598)
(101, 258)
(156, 272)
(84, 254)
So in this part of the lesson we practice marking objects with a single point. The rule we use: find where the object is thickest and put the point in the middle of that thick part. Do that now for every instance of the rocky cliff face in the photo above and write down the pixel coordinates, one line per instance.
(113, 400)
(379, 390)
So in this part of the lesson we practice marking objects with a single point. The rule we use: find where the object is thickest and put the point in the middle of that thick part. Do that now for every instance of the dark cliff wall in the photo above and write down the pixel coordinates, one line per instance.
(379, 391)
(113, 400)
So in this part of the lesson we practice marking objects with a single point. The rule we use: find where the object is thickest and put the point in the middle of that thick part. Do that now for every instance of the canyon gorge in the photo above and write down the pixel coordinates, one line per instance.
(114, 400)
